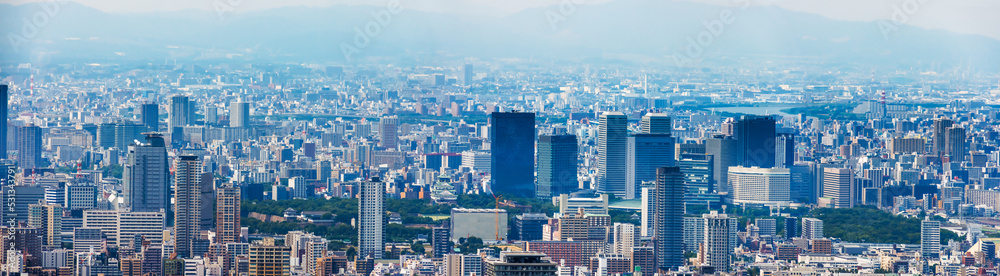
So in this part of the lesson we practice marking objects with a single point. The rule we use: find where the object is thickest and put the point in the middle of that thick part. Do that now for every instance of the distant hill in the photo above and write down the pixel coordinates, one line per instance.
(644, 31)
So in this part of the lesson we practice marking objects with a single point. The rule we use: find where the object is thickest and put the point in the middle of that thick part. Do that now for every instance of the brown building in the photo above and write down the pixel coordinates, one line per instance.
(787, 252)
(227, 215)
(570, 252)
(131, 266)
(331, 265)
(821, 246)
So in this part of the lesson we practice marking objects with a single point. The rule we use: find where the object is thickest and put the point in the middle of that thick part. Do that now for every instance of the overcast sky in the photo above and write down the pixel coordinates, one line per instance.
(962, 16)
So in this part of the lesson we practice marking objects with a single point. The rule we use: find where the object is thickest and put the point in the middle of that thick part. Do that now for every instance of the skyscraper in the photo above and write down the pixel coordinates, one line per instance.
(784, 151)
(227, 214)
(145, 176)
(941, 126)
(29, 147)
(468, 75)
(646, 153)
(512, 153)
(955, 144)
(388, 132)
(755, 141)
(180, 110)
(5, 98)
(930, 238)
(47, 217)
(719, 241)
(371, 216)
(239, 114)
(669, 218)
(612, 154)
(838, 187)
(723, 148)
(150, 116)
(557, 158)
(656, 123)
(187, 206)
(440, 238)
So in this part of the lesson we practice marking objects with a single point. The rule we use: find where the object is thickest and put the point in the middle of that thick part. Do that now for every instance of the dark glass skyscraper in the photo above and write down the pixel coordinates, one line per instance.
(512, 147)
(145, 178)
(612, 154)
(29, 147)
(150, 116)
(646, 153)
(3, 128)
(755, 143)
(669, 218)
(557, 155)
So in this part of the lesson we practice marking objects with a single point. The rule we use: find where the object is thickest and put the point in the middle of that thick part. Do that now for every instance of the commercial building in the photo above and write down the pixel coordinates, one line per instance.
(487, 224)
(512, 149)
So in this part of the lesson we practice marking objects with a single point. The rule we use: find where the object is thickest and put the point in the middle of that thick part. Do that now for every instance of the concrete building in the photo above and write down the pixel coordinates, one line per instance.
(371, 218)
(487, 224)
(145, 176)
(760, 186)
(812, 228)
(187, 204)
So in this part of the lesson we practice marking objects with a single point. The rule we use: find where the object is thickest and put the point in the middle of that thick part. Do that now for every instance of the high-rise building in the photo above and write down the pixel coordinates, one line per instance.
(646, 154)
(528, 227)
(468, 75)
(180, 112)
(127, 133)
(812, 228)
(723, 149)
(768, 186)
(648, 211)
(388, 132)
(4, 100)
(766, 226)
(371, 218)
(941, 126)
(669, 218)
(145, 176)
(784, 151)
(147, 225)
(838, 187)
(150, 113)
(512, 153)
(106, 135)
(29, 147)
(227, 214)
(187, 204)
(239, 114)
(612, 154)
(698, 174)
(441, 237)
(930, 239)
(47, 217)
(719, 241)
(270, 260)
(525, 263)
(656, 123)
(694, 233)
(955, 146)
(557, 160)
(755, 141)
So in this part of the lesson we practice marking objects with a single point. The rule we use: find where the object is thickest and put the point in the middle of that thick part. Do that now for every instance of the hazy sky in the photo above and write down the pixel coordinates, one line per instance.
(963, 16)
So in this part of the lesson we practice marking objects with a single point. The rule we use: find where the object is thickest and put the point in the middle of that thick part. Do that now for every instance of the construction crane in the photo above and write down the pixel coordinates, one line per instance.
(497, 212)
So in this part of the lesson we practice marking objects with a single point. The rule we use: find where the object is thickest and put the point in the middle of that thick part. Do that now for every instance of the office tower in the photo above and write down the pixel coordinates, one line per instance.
(812, 228)
(388, 132)
(612, 154)
(468, 75)
(17, 200)
(29, 147)
(528, 227)
(694, 233)
(767, 186)
(180, 112)
(941, 126)
(669, 219)
(646, 153)
(648, 207)
(187, 204)
(211, 115)
(719, 241)
(5, 100)
(557, 160)
(525, 263)
(791, 227)
(838, 187)
(270, 260)
(512, 153)
(590, 205)
(955, 146)
(150, 116)
(47, 217)
(723, 149)
(656, 123)
(766, 226)
(148, 226)
(784, 151)
(930, 239)
(371, 216)
(127, 133)
(145, 176)
(239, 114)
(698, 174)
(227, 214)
(106, 135)
(441, 237)
(755, 141)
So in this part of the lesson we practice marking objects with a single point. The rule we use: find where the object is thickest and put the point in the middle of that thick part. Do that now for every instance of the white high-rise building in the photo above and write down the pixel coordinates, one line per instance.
(812, 228)
(371, 218)
(648, 206)
(752, 185)
(720, 240)
(187, 203)
(239, 114)
(388, 132)
(930, 239)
